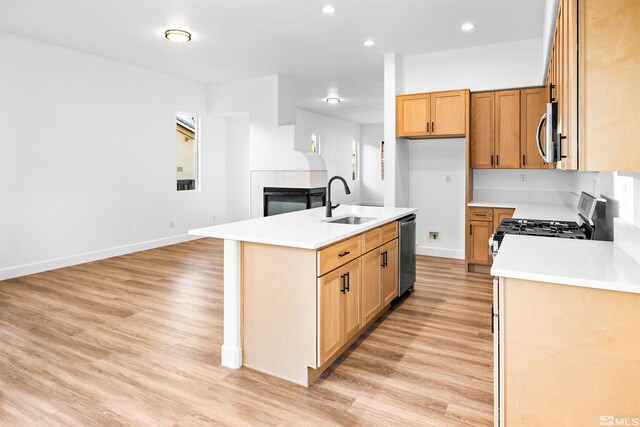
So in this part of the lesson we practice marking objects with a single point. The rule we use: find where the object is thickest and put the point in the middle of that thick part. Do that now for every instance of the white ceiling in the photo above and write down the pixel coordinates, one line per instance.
(243, 39)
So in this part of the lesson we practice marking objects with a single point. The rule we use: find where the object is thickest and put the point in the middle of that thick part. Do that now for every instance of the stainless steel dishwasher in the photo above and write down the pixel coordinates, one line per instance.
(406, 253)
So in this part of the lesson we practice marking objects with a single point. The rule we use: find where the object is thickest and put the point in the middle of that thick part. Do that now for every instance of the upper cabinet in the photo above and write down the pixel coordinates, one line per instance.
(437, 114)
(596, 85)
(503, 128)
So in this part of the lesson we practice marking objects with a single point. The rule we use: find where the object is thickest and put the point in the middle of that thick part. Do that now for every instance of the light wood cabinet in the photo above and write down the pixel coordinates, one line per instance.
(580, 343)
(507, 129)
(503, 128)
(481, 224)
(338, 309)
(478, 242)
(330, 315)
(371, 285)
(499, 214)
(448, 115)
(437, 114)
(389, 273)
(413, 115)
(482, 130)
(595, 84)
(532, 106)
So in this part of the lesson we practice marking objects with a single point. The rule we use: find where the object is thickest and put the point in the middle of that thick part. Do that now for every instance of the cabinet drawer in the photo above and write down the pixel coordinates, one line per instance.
(389, 232)
(339, 254)
(480, 214)
(371, 239)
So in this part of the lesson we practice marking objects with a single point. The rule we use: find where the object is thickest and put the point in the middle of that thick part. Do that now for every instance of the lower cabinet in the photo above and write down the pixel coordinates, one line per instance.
(338, 308)
(379, 279)
(354, 294)
(389, 273)
(480, 226)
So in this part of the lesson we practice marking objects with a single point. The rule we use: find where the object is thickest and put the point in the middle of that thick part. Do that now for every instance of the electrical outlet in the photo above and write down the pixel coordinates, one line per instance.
(170, 224)
(447, 179)
(434, 236)
(523, 178)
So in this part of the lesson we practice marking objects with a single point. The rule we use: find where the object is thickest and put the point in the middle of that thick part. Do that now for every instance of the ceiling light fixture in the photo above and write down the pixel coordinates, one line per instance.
(467, 26)
(333, 100)
(178, 36)
(369, 43)
(328, 10)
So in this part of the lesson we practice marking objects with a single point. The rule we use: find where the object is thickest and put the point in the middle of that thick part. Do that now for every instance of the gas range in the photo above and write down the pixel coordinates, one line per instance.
(591, 226)
(535, 227)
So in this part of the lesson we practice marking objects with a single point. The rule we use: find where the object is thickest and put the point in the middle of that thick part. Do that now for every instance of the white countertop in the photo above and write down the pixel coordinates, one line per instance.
(306, 229)
(549, 211)
(587, 263)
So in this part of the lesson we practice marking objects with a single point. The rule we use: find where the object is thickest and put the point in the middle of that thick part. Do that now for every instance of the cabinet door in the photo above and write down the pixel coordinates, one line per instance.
(389, 254)
(499, 215)
(478, 242)
(532, 107)
(370, 285)
(413, 114)
(352, 316)
(507, 140)
(482, 130)
(448, 116)
(330, 312)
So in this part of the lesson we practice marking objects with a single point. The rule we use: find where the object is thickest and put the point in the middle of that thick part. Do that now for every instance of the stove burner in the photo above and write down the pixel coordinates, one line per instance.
(533, 227)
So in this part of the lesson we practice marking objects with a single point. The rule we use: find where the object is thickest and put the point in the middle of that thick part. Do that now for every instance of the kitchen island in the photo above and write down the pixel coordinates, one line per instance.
(299, 289)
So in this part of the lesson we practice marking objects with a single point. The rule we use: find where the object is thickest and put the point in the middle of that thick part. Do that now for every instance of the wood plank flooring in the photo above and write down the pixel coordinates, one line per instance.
(135, 340)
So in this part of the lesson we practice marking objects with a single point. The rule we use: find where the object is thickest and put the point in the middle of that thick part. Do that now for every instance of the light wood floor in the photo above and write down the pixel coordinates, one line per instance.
(135, 340)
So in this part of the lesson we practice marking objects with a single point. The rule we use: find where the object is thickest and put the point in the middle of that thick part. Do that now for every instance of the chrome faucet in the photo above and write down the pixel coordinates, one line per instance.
(331, 207)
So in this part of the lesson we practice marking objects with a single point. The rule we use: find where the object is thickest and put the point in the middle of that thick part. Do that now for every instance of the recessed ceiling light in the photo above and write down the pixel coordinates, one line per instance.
(467, 26)
(369, 43)
(333, 100)
(328, 10)
(178, 36)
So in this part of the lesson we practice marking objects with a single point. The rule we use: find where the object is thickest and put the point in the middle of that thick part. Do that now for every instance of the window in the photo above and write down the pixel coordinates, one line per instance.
(315, 143)
(188, 152)
(382, 160)
(355, 160)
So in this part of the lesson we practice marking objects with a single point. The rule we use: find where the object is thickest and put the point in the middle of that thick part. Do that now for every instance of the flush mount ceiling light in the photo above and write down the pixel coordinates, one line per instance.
(369, 43)
(328, 10)
(178, 36)
(333, 100)
(467, 26)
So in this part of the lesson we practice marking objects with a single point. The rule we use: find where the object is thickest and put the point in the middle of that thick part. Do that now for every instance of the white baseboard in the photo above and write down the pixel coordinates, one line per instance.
(52, 264)
(440, 252)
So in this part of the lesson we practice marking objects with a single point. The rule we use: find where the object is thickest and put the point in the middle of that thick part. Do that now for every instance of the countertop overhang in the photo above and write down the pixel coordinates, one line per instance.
(307, 229)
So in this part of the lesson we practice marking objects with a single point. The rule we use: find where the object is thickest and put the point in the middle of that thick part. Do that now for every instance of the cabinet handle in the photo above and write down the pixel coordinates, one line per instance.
(497, 159)
(427, 126)
(470, 229)
(433, 126)
(523, 160)
(479, 214)
(348, 284)
(492, 160)
(492, 331)
(560, 138)
(344, 282)
(345, 253)
(382, 255)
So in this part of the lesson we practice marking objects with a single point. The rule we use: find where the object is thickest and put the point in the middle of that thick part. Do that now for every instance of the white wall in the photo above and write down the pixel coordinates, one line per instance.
(238, 179)
(541, 186)
(497, 66)
(335, 147)
(88, 165)
(372, 186)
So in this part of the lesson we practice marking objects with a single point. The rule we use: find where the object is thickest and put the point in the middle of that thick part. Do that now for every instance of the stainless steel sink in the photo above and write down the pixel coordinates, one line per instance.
(354, 220)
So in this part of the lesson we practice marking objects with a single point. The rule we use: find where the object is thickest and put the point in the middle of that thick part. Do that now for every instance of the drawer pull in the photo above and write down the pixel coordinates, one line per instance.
(343, 278)
(345, 253)
(480, 214)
